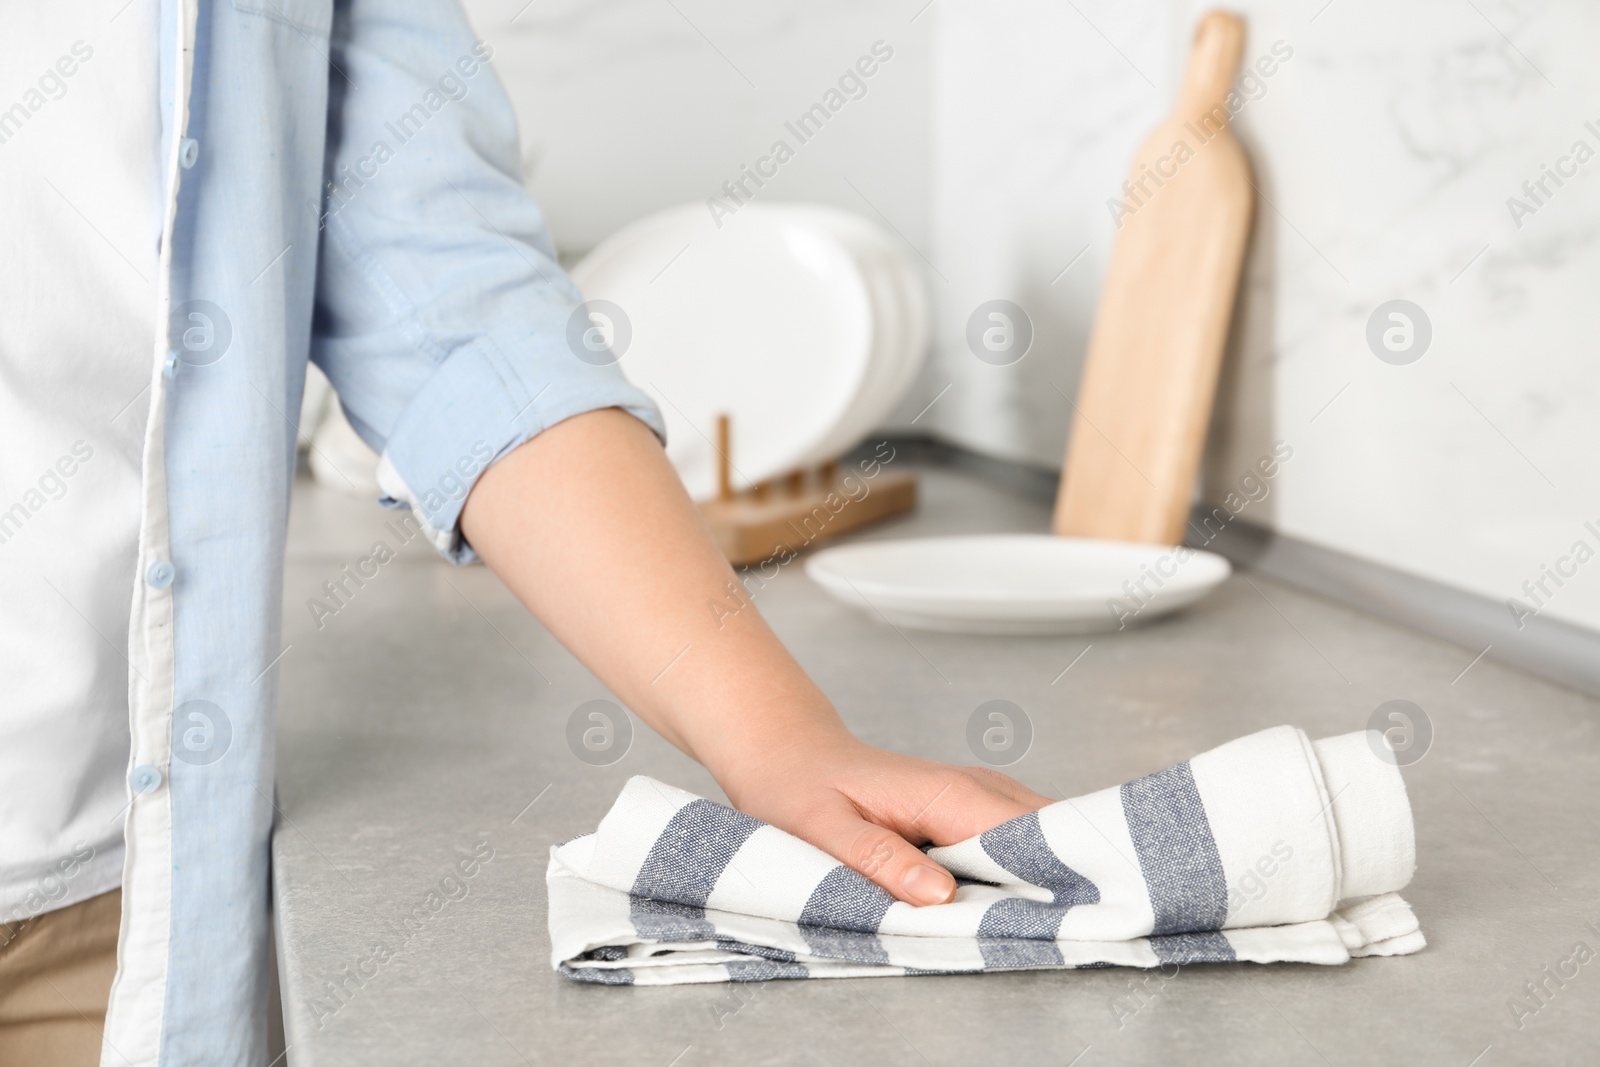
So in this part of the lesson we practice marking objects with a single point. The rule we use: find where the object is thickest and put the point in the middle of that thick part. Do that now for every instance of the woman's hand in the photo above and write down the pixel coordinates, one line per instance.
(590, 526)
(869, 808)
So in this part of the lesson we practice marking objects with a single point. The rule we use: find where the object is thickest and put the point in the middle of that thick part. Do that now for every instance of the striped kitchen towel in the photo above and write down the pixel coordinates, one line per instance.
(1269, 848)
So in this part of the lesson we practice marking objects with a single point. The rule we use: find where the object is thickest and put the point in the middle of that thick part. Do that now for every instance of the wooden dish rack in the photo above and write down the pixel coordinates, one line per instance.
(776, 519)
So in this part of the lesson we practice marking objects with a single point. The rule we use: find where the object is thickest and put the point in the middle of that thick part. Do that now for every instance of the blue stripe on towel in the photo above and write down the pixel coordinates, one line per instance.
(782, 955)
(1209, 947)
(600, 976)
(1021, 933)
(1000, 953)
(847, 901)
(1172, 836)
(667, 902)
(763, 971)
(849, 945)
(914, 971)
(667, 920)
(841, 919)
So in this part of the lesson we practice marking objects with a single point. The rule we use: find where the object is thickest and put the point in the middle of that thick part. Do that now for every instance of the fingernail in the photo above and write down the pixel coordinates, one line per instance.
(928, 885)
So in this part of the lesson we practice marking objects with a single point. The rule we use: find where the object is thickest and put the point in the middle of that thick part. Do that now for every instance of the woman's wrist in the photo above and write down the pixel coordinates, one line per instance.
(754, 754)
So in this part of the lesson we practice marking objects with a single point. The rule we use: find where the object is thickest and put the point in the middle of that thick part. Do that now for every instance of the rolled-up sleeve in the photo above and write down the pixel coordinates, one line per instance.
(443, 320)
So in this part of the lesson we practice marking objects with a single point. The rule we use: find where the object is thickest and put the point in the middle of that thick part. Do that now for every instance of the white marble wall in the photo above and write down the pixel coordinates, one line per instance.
(630, 106)
(1385, 151)
(1038, 106)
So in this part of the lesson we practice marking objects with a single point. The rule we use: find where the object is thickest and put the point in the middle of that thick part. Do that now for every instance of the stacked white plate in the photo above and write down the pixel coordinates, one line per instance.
(804, 324)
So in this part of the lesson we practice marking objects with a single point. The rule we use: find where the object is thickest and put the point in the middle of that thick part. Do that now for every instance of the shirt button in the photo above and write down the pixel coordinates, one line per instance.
(169, 365)
(159, 574)
(144, 778)
(188, 152)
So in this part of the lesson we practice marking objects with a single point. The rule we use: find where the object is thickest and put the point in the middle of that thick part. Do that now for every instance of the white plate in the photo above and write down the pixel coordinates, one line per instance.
(873, 399)
(900, 336)
(1016, 583)
(769, 319)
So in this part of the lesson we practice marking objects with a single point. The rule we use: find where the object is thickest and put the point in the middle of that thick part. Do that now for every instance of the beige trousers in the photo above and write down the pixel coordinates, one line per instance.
(55, 980)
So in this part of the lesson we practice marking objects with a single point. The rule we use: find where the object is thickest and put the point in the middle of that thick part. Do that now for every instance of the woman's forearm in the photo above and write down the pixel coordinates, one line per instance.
(589, 525)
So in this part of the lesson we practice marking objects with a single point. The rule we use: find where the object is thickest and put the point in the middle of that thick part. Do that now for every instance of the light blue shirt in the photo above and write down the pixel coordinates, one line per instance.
(342, 185)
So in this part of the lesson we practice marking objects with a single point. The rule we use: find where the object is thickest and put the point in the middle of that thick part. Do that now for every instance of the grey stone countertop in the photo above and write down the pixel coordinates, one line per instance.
(422, 734)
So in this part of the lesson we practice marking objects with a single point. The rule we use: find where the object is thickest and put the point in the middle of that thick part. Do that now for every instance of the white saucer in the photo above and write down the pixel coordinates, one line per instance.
(1016, 583)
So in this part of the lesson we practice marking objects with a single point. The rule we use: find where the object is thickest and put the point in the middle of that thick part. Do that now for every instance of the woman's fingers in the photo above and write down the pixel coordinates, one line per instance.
(878, 807)
(879, 854)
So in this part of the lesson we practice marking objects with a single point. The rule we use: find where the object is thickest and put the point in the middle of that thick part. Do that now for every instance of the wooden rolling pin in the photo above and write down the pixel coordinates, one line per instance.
(1151, 373)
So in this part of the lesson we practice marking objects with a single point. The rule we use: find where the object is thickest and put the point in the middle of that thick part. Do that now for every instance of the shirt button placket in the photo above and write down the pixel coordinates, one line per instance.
(146, 777)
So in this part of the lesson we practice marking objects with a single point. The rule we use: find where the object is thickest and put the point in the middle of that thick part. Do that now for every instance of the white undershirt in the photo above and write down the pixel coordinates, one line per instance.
(80, 183)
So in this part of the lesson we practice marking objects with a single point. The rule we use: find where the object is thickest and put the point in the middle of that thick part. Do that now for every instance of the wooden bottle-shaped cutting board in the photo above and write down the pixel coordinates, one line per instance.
(1151, 372)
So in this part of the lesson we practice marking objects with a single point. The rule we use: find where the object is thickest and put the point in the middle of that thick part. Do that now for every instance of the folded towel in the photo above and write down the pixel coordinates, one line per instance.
(1269, 848)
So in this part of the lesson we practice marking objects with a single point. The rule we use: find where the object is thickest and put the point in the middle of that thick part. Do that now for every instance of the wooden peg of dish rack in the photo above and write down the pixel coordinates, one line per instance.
(776, 519)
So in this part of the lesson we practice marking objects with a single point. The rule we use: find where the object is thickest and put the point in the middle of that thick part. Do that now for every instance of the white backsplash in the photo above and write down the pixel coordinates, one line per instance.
(1385, 152)
(1035, 118)
(630, 106)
